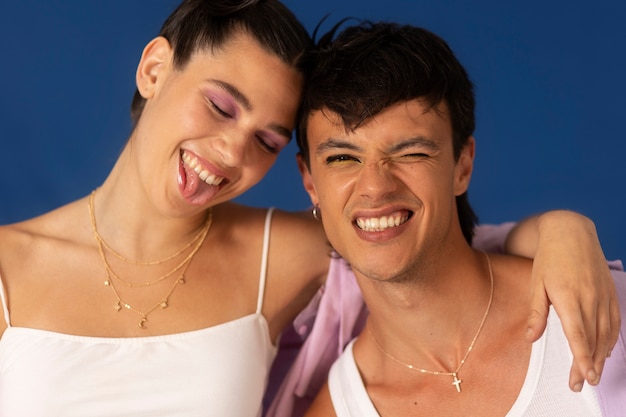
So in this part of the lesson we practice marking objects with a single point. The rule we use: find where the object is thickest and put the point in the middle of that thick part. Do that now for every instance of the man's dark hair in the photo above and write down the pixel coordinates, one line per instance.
(370, 66)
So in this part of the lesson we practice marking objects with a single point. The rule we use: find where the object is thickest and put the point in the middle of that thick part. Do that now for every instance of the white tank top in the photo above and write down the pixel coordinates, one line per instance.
(219, 371)
(545, 391)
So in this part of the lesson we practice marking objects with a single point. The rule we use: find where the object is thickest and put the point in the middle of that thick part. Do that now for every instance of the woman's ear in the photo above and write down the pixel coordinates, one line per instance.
(307, 179)
(155, 61)
(464, 167)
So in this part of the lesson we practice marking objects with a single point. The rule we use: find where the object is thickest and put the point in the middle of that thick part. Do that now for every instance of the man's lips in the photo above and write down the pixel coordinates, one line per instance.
(380, 223)
(203, 173)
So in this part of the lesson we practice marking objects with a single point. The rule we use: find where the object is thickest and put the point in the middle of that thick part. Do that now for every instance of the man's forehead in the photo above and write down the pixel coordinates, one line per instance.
(325, 117)
(405, 112)
(417, 106)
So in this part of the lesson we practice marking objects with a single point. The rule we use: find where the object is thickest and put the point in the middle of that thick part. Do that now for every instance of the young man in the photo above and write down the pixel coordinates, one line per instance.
(387, 156)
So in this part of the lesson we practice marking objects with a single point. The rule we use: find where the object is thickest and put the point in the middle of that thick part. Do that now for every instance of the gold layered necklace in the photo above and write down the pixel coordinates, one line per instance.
(179, 269)
(454, 374)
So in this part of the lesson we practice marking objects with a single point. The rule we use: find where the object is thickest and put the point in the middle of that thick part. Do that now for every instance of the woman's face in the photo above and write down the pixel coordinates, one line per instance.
(211, 130)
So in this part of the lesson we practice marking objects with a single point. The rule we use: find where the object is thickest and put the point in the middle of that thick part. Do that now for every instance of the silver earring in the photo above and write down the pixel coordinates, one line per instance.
(317, 212)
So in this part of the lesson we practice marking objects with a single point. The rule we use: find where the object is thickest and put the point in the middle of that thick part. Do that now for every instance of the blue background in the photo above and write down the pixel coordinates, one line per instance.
(549, 78)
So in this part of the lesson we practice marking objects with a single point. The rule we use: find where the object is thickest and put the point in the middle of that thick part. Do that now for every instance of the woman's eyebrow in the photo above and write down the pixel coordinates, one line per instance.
(245, 103)
(233, 91)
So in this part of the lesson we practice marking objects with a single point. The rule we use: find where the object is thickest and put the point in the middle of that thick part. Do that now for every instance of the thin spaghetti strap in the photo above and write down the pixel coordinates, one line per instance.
(5, 305)
(264, 255)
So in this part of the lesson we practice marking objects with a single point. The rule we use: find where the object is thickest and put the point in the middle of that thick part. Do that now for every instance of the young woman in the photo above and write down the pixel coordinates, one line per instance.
(156, 295)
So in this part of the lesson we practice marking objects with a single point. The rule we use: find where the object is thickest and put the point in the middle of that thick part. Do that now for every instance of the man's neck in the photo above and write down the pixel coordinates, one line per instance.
(439, 312)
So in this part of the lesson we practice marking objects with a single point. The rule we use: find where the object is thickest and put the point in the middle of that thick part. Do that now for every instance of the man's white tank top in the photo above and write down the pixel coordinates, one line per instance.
(545, 391)
(218, 371)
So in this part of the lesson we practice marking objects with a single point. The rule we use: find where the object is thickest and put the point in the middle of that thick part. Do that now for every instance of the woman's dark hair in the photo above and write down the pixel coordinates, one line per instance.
(198, 25)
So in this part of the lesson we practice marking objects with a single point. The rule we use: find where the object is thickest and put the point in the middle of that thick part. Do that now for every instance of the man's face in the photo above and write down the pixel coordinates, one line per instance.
(387, 189)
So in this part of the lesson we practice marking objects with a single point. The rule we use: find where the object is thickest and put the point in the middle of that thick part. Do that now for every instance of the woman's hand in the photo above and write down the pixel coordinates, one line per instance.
(571, 272)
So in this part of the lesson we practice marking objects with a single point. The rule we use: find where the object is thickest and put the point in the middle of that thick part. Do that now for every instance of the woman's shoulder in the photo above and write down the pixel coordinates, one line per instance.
(300, 231)
(285, 225)
(296, 236)
(27, 239)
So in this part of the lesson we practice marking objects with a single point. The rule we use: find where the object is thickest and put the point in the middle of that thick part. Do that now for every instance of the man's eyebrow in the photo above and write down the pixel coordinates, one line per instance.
(335, 144)
(245, 103)
(418, 141)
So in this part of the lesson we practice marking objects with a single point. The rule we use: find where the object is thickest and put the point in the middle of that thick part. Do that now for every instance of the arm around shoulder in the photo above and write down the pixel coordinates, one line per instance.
(565, 230)
(570, 271)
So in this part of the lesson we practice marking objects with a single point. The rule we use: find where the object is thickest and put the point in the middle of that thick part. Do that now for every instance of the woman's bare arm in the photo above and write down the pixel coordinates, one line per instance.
(571, 272)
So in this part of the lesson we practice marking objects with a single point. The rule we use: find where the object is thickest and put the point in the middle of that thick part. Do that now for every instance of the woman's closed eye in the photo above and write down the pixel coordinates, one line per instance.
(268, 144)
(220, 110)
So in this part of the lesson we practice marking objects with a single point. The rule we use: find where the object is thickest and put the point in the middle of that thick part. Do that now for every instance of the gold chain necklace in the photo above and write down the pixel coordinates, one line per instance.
(454, 374)
(136, 262)
(163, 302)
(118, 255)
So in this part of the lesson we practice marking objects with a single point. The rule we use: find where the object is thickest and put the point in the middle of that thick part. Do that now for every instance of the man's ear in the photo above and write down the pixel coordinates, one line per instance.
(464, 167)
(307, 179)
(154, 62)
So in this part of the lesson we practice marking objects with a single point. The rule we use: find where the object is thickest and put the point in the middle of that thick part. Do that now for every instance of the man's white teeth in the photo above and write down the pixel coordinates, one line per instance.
(377, 224)
(206, 176)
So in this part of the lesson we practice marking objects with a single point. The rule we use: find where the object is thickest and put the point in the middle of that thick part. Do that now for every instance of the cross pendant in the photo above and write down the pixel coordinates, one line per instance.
(457, 383)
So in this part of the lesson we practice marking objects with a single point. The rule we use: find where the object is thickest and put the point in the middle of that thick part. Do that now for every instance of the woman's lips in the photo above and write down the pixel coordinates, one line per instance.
(197, 184)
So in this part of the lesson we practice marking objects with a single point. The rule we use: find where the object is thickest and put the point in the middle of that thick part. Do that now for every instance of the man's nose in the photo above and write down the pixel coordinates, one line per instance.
(376, 180)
